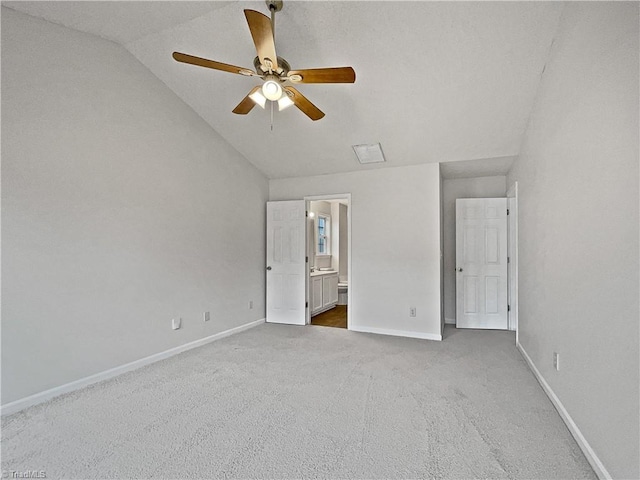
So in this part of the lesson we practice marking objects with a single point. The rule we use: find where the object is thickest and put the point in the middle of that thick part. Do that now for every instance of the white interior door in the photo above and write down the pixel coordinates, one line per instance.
(286, 268)
(481, 263)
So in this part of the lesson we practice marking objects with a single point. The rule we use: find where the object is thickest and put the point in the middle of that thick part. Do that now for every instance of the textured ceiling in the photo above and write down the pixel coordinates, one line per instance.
(119, 21)
(485, 167)
(436, 81)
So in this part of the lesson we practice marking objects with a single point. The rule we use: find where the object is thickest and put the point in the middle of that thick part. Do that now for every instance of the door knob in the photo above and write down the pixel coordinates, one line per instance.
(459, 269)
(269, 268)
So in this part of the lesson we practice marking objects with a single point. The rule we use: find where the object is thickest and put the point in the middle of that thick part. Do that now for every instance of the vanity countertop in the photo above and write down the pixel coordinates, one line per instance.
(322, 272)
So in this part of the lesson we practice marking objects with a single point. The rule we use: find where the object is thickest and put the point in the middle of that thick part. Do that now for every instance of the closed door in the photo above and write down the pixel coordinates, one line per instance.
(286, 268)
(481, 263)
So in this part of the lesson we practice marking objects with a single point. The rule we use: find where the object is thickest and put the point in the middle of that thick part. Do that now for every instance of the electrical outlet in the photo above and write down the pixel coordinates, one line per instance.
(250, 304)
(556, 360)
(412, 311)
(207, 316)
(176, 323)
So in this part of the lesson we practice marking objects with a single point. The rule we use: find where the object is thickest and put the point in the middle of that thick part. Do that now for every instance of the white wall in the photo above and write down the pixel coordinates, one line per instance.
(121, 209)
(324, 208)
(395, 244)
(339, 235)
(578, 218)
(343, 263)
(335, 236)
(452, 188)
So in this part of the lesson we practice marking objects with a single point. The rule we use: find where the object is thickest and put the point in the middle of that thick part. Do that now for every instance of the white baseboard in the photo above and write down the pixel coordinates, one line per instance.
(397, 333)
(593, 459)
(41, 397)
(449, 321)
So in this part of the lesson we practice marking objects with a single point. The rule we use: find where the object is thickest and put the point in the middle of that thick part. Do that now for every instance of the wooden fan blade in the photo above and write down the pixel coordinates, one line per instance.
(308, 108)
(262, 33)
(324, 75)
(246, 104)
(203, 62)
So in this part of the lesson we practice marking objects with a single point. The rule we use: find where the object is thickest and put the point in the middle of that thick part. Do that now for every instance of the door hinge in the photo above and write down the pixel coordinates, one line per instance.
(507, 211)
(508, 308)
(508, 259)
(306, 213)
(306, 259)
(306, 304)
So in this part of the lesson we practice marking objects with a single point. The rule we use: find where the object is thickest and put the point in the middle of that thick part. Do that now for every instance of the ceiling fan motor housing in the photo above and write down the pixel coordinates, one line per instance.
(282, 65)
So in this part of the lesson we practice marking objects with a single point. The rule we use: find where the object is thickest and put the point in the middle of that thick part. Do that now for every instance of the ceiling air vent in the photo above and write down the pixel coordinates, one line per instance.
(371, 153)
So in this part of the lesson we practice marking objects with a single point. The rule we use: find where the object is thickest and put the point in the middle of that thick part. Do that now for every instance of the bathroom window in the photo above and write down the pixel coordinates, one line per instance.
(322, 226)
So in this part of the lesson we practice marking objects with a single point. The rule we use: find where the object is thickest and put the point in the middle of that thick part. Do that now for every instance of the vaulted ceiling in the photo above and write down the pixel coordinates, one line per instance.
(436, 81)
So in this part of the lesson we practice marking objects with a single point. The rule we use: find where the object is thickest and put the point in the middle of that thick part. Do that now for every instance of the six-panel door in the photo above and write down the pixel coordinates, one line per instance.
(481, 263)
(286, 268)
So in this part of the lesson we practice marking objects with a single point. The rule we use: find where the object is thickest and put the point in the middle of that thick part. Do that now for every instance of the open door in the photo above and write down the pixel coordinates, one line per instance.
(286, 268)
(481, 263)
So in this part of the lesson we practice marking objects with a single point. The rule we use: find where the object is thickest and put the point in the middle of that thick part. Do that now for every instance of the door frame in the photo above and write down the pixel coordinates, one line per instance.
(512, 246)
(320, 198)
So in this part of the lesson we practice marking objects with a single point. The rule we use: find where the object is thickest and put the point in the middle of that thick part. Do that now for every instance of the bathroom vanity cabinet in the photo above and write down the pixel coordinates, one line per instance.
(323, 291)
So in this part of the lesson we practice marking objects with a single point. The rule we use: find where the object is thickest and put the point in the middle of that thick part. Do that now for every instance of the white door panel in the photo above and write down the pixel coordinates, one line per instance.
(334, 289)
(286, 269)
(329, 290)
(481, 263)
(316, 295)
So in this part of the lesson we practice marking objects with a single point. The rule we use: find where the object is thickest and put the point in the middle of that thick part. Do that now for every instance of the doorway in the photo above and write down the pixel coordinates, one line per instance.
(336, 317)
(328, 249)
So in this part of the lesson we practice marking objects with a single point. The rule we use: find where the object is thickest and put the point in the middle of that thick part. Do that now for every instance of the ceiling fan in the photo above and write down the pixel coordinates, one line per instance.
(275, 71)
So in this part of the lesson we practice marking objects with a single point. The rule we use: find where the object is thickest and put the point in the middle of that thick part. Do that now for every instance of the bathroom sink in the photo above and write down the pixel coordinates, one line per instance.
(322, 272)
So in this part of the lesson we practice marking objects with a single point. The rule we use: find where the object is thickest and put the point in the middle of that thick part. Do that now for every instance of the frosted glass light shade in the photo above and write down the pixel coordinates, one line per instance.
(272, 90)
(284, 102)
(258, 98)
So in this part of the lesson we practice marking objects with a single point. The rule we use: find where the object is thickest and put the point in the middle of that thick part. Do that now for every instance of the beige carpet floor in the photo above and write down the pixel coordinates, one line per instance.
(307, 402)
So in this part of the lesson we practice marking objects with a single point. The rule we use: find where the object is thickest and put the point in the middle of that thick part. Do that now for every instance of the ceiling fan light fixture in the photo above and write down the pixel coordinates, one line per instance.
(284, 102)
(272, 90)
(258, 98)
(273, 70)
